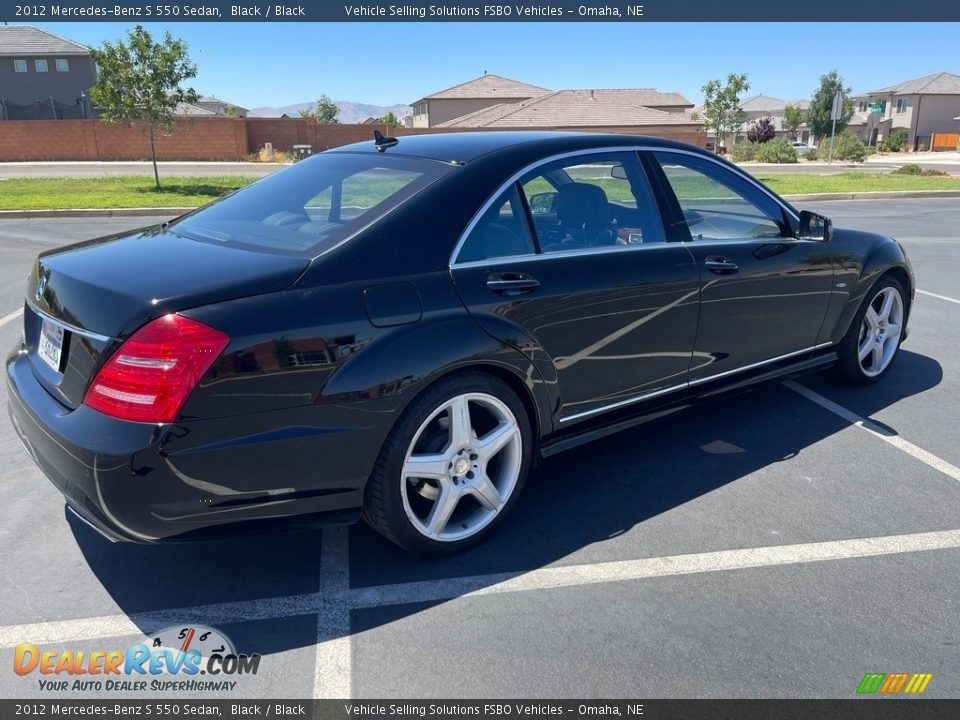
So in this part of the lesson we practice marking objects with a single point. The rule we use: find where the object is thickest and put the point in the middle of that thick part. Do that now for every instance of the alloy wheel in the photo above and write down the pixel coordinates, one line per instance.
(461, 467)
(880, 332)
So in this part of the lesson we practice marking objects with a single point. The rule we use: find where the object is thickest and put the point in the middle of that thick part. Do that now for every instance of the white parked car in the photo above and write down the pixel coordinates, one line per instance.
(803, 149)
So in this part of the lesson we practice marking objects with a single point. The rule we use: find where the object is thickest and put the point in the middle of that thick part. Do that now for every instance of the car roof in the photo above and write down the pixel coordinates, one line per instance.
(464, 147)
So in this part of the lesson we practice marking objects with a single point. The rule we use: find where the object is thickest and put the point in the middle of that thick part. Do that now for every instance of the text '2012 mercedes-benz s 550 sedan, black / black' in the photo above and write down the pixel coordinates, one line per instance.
(400, 329)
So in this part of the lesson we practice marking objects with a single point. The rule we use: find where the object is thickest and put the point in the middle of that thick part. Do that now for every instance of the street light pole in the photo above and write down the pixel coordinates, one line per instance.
(836, 112)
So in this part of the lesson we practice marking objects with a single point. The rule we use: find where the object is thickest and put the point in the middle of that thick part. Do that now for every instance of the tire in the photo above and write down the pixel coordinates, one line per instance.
(867, 352)
(470, 475)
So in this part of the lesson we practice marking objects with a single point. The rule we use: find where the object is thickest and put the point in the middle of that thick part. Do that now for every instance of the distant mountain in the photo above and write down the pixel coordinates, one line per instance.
(350, 112)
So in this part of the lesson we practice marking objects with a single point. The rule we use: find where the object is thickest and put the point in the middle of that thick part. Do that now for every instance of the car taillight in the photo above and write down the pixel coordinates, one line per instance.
(149, 378)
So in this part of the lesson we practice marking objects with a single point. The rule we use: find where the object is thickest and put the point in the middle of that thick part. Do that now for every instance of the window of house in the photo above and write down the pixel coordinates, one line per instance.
(63, 65)
(40, 65)
(20, 65)
(901, 105)
(862, 107)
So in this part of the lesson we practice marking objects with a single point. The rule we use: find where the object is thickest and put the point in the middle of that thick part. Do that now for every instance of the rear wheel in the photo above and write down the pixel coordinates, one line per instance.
(452, 467)
(870, 346)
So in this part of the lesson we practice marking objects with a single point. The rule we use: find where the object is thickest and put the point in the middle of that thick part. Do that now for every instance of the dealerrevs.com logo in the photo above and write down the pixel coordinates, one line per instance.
(171, 660)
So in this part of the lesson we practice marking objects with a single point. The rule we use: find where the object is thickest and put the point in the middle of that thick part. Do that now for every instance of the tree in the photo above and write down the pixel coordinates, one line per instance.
(792, 119)
(140, 82)
(821, 105)
(323, 113)
(721, 106)
(762, 131)
(390, 120)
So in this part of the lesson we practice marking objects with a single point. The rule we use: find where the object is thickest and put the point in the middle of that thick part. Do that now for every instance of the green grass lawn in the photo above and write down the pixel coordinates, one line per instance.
(855, 182)
(113, 192)
(132, 192)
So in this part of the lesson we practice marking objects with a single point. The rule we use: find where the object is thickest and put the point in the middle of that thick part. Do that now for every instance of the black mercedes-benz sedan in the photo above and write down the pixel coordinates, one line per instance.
(400, 329)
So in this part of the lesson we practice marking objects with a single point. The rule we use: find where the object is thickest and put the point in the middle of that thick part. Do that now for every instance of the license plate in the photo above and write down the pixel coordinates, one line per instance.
(51, 344)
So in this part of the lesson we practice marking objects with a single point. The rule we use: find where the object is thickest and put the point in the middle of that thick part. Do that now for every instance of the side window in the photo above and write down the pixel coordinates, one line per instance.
(595, 201)
(718, 205)
(502, 231)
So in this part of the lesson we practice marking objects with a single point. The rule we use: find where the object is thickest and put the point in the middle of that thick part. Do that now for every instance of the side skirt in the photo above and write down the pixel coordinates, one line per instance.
(683, 400)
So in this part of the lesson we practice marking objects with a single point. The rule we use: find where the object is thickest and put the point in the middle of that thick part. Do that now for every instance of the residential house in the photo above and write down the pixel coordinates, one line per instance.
(922, 106)
(221, 107)
(42, 75)
(471, 96)
(641, 111)
(185, 109)
(765, 106)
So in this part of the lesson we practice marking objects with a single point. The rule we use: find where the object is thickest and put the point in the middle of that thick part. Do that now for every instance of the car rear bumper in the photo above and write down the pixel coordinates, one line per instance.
(147, 483)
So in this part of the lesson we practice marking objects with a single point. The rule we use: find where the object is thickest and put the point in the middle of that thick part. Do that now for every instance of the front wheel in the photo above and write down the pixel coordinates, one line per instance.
(868, 349)
(452, 467)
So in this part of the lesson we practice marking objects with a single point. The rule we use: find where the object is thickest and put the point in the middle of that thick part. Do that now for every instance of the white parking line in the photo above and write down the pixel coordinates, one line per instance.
(898, 442)
(10, 317)
(333, 668)
(939, 297)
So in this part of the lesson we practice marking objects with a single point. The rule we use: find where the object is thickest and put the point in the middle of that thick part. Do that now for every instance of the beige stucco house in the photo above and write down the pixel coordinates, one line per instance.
(619, 110)
(470, 96)
(921, 106)
(765, 106)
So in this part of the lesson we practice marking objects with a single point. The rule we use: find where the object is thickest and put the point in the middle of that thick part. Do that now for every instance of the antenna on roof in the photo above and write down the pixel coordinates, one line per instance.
(381, 143)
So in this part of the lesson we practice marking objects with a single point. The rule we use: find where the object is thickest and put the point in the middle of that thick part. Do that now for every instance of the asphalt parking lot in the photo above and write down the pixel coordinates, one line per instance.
(780, 544)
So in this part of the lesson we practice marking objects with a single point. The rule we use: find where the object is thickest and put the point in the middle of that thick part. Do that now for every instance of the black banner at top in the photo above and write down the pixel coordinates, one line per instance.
(23, 11)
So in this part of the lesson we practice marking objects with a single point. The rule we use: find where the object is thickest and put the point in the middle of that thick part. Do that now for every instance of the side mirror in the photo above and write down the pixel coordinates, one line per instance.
(543, 203)
(815, 227)
(618, 172)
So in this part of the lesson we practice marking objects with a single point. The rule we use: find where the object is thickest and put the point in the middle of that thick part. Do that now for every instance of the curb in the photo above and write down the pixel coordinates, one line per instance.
(875, 195)
(94, 213)
(175, 211)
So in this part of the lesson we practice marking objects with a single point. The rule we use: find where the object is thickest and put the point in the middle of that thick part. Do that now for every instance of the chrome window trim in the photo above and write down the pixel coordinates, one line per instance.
(578, 153)
(688, 384)
(559, 254)
(67, 326)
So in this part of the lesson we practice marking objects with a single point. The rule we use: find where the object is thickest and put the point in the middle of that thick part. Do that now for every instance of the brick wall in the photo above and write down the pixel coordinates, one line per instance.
(193, 139)
(212, 138)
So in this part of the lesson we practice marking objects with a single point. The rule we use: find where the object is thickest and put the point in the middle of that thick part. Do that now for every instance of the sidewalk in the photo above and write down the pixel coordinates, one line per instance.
(925, 158)
(84, 169)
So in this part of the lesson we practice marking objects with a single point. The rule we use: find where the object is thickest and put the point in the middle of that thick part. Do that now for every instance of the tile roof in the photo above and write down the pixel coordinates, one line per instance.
(765, 103)
(942, 83)
(760, 105)
(573, 108)
(184, 108)
(488, 86)
(647, 97)
(18, 40)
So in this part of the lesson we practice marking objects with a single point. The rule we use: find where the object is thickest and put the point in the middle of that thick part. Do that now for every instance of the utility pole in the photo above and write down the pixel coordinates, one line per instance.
(835, 114)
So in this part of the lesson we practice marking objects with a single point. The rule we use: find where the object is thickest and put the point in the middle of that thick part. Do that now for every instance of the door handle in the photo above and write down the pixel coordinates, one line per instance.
(719, 265)
(511, 283)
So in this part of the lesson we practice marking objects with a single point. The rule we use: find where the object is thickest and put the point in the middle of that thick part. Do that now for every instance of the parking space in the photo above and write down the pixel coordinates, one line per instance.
(763, 547)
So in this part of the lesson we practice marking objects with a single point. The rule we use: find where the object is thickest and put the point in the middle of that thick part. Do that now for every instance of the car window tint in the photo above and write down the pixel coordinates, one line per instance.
(589, 202)
(313, 205)
(716, 203)
(502, 231)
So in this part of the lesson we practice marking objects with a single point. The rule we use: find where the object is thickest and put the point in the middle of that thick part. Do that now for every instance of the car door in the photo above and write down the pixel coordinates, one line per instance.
(586, 284)
(764, 293)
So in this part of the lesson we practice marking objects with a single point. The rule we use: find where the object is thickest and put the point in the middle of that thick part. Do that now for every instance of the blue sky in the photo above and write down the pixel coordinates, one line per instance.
(255, 64)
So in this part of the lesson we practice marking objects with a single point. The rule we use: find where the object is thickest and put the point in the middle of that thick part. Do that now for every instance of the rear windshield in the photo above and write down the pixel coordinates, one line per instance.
(312, 206)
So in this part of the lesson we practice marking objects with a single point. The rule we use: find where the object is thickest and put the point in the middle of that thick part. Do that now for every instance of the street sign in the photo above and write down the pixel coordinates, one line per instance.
(875, 107)
(837, 112)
